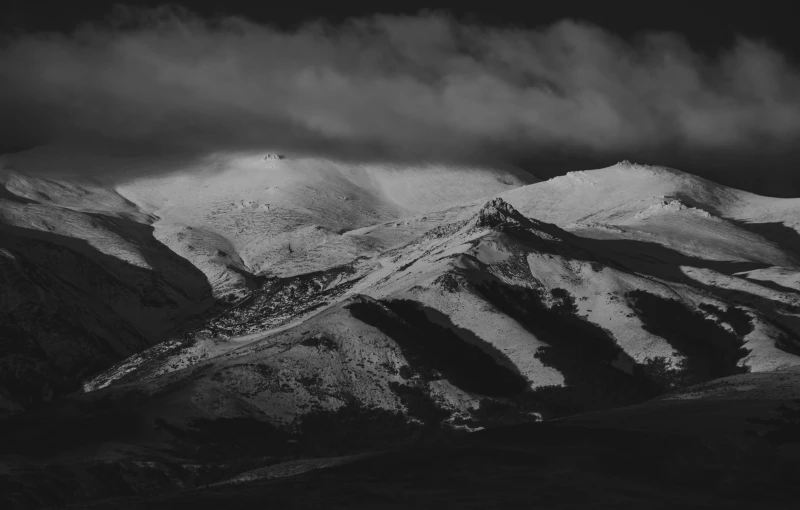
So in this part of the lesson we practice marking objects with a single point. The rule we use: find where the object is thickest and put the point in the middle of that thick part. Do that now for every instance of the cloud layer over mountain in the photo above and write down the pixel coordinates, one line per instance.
(422, 86)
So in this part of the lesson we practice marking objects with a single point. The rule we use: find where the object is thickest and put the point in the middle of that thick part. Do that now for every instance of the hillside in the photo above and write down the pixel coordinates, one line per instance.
(242, 311)
(733, 448)
(102, 269)
(554, 312)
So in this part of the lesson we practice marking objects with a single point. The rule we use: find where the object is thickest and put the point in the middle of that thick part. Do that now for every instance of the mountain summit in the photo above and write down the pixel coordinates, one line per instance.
(497, 213)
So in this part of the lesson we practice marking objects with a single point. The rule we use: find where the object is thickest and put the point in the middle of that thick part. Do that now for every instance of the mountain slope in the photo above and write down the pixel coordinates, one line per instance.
(573, 327)
(687, 213)
(85, 284)
(103, 270)
(355, 325)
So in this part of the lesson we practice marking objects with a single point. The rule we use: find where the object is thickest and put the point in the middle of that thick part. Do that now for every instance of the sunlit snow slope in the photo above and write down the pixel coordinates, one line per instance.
(494, 310)
(223, 310)
(106, 254)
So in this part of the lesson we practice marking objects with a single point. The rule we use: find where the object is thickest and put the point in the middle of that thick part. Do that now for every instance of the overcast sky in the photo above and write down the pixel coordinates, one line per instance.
(418, 86)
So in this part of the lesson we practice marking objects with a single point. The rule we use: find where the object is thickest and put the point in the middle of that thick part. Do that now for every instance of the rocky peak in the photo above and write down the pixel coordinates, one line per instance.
(498, 212)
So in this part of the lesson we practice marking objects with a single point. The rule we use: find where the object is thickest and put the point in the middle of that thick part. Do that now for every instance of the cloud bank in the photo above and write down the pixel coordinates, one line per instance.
(420, 86)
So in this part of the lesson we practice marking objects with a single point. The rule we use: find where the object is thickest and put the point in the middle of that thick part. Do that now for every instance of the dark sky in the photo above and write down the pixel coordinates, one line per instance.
(708, 27)
(717, 94)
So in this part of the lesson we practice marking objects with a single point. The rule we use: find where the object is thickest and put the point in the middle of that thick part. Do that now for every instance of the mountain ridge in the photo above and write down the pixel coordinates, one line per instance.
(510, 309)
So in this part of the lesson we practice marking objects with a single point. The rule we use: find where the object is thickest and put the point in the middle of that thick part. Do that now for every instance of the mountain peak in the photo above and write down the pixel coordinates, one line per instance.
(498, 212)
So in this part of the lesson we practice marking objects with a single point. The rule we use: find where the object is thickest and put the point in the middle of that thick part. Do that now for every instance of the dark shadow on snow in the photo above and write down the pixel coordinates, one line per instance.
(654, 260)
(581, 351)
(710, 350)
(431, 348)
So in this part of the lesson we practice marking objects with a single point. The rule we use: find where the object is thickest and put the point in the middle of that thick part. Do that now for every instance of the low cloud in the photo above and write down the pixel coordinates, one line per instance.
(390, 86)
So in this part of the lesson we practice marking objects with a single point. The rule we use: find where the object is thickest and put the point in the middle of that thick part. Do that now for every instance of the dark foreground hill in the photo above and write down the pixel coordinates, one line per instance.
(732, 443)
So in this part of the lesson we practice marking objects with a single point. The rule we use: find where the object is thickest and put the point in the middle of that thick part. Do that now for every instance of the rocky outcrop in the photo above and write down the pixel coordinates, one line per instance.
(496, 213)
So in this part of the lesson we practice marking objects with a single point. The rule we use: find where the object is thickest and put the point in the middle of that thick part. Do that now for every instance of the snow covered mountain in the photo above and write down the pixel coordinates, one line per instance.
(308, 302)
(94, 271)
(497, 309)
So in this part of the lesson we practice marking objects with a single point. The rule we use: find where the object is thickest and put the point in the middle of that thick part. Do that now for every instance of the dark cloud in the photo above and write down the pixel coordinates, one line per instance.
(390, 86)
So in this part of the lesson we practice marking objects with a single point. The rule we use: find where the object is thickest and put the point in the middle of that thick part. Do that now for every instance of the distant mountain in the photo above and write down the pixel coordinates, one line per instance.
(95, 271)
(497, 309)
(258, 311)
